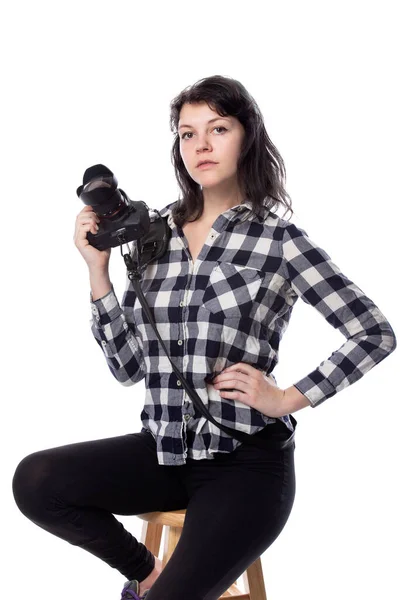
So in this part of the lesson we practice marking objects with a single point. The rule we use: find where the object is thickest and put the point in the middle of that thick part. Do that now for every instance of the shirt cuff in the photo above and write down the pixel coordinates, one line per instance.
(316, 388)
(106, 308)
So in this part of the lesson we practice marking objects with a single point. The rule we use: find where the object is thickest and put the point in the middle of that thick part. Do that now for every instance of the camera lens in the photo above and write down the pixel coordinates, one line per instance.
(100, 190)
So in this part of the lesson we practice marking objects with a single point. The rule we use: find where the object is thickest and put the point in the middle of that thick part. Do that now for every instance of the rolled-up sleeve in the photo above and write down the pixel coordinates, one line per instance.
(318, 281)
(116, 337)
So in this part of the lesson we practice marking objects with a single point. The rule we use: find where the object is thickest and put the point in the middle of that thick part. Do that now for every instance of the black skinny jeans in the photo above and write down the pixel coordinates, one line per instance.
(236, 507)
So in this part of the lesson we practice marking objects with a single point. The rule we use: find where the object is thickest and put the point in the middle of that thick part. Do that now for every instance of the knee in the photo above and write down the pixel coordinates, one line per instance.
(30, 483)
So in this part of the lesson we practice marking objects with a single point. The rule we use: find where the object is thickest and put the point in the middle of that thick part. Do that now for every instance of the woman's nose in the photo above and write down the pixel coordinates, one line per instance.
(202, 143)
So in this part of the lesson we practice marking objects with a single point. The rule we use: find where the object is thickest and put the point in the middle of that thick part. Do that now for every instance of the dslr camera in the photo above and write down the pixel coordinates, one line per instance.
(121, 220)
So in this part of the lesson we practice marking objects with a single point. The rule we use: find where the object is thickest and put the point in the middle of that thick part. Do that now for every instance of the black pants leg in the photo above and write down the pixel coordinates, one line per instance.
(238, 506)
(71, 491)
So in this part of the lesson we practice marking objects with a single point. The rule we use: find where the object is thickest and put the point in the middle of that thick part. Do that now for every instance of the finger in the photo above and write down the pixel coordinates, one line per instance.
(88, 219)
(88, 215)
(229, 381)
(83, 229)
(241, 368)
(238, 395)
(244, 374)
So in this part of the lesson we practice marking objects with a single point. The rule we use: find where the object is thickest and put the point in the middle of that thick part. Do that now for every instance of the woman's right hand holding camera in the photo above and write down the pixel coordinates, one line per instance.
(97, 260)
(87, 220)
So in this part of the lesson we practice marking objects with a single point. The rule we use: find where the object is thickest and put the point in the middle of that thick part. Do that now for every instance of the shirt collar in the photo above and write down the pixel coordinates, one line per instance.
(241, 212)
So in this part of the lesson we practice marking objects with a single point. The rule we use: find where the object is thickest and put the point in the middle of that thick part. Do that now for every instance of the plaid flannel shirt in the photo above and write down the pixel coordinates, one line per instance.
(232, 305)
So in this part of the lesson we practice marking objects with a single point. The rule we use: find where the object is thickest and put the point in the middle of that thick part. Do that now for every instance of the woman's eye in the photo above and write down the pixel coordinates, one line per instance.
(189, 132)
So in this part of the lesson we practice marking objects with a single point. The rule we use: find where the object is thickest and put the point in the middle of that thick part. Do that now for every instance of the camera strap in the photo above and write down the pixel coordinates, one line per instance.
(148, 248)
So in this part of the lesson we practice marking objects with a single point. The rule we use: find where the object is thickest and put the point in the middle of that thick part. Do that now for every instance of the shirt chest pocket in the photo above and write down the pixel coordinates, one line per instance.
(231, 290)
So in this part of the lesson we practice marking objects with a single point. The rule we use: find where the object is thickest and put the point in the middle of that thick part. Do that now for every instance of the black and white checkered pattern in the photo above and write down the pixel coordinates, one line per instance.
(233, 305)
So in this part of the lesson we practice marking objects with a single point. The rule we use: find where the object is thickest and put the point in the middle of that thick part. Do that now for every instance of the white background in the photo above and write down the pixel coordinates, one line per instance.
(91, 83)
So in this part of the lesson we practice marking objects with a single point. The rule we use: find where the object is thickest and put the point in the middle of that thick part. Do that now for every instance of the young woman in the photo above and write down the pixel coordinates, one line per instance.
(221, 296)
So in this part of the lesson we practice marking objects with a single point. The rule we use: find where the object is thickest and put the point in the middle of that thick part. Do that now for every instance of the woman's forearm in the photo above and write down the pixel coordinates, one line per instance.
(100, 283)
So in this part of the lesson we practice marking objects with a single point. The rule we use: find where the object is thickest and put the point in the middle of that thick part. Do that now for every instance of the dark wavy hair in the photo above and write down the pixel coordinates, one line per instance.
(260, 170)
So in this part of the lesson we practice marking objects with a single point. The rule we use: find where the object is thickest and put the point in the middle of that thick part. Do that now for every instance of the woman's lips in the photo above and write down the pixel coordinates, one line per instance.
(205, 165)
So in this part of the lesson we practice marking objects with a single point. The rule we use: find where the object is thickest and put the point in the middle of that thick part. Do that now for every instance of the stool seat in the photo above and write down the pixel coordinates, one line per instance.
(173, 521)
(172, 518)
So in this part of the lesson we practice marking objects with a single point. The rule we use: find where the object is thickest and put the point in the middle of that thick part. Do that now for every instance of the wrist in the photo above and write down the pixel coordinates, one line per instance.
(292, 400)
(100, 285)
(98, 272)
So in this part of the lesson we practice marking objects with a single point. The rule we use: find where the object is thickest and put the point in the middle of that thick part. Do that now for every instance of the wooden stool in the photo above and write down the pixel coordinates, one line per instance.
(173, 520)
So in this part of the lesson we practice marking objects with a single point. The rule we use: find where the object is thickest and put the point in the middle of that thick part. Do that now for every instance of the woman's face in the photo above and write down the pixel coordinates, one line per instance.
(219, 141)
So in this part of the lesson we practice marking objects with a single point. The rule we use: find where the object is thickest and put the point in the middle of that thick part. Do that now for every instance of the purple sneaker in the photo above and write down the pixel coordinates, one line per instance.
(131, 591)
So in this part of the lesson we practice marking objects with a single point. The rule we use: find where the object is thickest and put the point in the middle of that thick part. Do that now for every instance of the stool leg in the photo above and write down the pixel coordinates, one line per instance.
(171, 539)
(151, 536)
(235, 593)
(253, 580)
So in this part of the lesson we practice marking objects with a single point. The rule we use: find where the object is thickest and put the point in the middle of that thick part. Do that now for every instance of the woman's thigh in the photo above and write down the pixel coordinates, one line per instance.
(238, 506)
(118, 474)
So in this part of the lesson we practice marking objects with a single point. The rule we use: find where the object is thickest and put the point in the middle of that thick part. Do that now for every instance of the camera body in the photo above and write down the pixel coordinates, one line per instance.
(134, 224)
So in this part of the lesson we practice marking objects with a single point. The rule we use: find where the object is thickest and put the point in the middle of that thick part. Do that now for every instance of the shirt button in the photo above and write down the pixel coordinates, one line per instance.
(181, 304)
(179, 382)
(180, 342)
(186, 417)
(103, 342)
